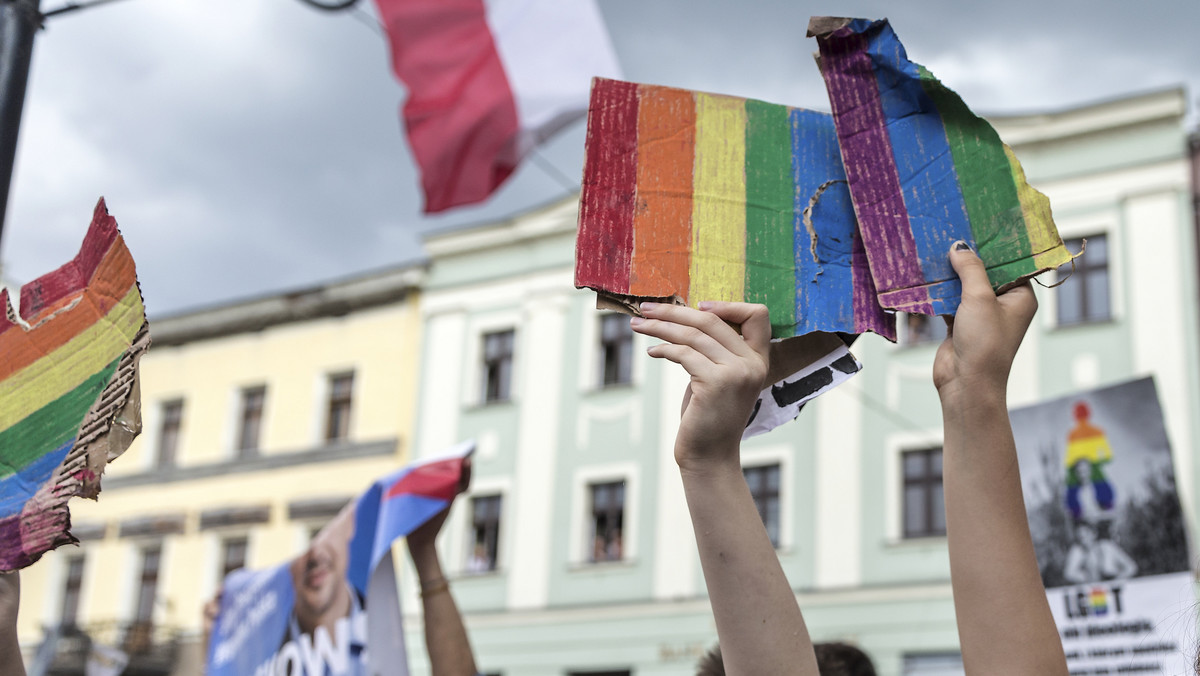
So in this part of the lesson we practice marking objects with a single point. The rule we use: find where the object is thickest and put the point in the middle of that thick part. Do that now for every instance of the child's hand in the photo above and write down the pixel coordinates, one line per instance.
(727, 370)
(983, 337)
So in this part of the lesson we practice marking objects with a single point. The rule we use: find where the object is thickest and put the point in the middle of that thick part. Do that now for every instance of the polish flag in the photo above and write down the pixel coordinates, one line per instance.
(487, 81)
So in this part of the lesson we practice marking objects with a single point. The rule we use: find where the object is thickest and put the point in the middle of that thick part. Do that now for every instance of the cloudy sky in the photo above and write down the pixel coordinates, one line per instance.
(251, 146)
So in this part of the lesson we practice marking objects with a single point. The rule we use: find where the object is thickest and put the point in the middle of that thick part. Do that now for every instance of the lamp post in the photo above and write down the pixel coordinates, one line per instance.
(19, 20)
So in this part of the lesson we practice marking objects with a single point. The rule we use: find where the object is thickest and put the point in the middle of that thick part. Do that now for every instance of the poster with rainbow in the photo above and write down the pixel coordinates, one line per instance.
(68, 388)
(924, 172)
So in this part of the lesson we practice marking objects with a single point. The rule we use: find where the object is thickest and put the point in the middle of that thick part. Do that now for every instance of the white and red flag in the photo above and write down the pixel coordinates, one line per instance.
(487, 81)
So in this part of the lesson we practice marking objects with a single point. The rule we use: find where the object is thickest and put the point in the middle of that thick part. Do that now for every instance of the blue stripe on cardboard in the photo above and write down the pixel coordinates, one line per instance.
(17, 488)
(932, 196)
(825, 289)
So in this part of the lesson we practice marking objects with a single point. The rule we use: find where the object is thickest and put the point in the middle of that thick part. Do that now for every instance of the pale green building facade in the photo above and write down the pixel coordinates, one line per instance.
(543, 597)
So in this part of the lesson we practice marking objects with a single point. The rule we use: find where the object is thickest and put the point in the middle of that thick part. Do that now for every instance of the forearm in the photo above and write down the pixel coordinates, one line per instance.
(10, 655)
(446, 638)
(10, 646)
(993, 566)
(758, 621)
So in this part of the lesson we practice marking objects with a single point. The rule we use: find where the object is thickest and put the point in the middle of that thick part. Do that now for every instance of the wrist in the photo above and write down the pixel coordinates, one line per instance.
(710, 470)
(425, 560)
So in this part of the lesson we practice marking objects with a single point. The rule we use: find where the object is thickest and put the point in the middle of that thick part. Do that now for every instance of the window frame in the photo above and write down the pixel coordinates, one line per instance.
(339, 407)
(72, 594)
(501, 366)
(765, 494)
(616, 350)
(926, 483)
(607, 512)
(935, 338)
(223, 567)
(581, 539)
(1078, 272)
(141, 601)
(244, 446)
(491, 532)
(170, 433)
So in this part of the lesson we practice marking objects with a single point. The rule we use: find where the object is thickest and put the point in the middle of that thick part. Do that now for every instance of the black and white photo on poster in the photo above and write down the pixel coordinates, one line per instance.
(1108, 529)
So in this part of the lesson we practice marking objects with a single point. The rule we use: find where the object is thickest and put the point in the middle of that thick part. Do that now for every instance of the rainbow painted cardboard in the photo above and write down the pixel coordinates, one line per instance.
(690, 196)
(827, 220)
(68, 389)
(924, 171)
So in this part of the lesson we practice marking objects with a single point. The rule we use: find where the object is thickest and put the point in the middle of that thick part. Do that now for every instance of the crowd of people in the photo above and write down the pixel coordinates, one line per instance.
(1004, 622)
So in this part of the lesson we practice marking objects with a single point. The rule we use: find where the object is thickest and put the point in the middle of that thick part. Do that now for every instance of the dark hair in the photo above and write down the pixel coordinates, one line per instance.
(710, 663)
(833, 659)
(842, 659)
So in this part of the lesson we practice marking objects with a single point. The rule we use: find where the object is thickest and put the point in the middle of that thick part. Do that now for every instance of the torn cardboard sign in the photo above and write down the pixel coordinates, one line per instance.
(68, 389)
(924, 172)
(689, 197)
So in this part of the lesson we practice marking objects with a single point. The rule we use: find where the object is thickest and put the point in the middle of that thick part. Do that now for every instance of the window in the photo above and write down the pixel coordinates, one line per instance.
(924, 508)
(485, 530)
(72, 589)
(148, 584)
(923, 329)
(251, 424)
(608, 516)
(497, 365)
(168, 433)
(233, 555)
(933, 664)
(616, 349)
(337, 423)
(1084, 296)
(764, 487)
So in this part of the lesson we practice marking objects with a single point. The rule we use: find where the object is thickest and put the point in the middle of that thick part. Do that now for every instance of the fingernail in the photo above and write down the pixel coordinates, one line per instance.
(648, 307)
(961, 245)
(704, 305)
(635, 321)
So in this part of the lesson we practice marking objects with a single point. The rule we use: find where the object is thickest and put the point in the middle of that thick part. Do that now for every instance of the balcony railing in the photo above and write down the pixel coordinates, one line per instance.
(152, 649)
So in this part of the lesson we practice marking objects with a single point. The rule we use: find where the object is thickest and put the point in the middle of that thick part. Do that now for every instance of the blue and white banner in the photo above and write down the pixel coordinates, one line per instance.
(317, 614)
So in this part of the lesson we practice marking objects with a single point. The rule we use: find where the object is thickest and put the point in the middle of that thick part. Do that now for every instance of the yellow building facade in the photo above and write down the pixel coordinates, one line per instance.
(260, 420)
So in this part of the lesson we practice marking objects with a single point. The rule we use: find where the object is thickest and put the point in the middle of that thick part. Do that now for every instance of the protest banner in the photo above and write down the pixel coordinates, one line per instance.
(317, 614)
(1107, 525)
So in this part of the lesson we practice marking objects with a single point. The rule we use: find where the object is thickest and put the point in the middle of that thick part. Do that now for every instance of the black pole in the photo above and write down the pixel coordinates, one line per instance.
(19, 21)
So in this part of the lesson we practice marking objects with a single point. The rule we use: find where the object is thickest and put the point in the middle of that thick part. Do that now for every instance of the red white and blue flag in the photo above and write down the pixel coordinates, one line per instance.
(487, 81)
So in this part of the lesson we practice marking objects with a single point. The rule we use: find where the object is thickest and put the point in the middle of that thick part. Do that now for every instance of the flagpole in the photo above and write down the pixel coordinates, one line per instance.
(19, 21)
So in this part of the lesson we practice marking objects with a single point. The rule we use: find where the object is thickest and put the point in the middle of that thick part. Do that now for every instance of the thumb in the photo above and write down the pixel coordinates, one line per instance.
(970, 269)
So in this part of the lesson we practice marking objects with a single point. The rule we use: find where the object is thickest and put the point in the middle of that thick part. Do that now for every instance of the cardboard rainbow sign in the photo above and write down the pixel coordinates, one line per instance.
(925, 171)
(68, 389)
(697, 196)
(830, 221)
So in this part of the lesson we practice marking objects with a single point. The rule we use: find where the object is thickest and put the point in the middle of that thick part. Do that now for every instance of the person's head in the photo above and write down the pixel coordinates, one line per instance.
(319, 574)
(1082, 412)
(833, 659)
(842, 659)
(1085, 533)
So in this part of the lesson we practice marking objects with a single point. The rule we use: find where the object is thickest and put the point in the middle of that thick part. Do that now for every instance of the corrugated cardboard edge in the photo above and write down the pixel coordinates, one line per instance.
(630, 304)
(111, 424)
(824, 25)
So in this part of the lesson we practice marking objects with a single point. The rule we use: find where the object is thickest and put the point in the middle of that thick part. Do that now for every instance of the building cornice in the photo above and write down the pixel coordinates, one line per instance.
(338, 452)
(557, 218)
(1104, 116)
(335, 299)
